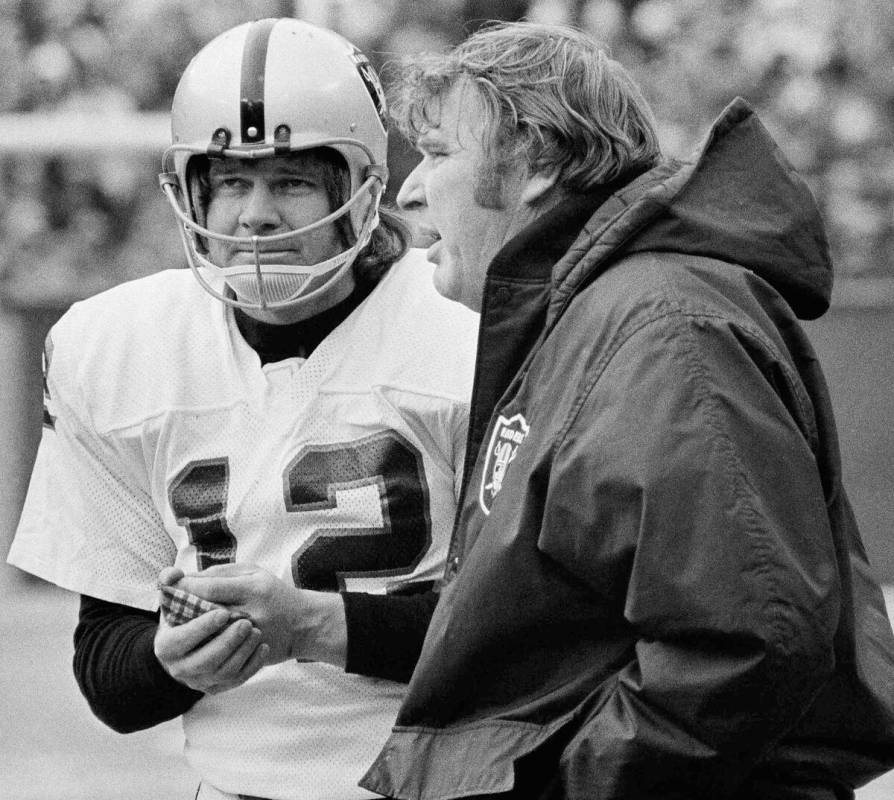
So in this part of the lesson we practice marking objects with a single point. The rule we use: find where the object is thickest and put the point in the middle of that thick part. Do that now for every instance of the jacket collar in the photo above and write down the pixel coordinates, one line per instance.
(736, 199)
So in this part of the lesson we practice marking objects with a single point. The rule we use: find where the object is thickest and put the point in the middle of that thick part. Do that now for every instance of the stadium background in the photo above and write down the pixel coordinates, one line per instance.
(84, 94)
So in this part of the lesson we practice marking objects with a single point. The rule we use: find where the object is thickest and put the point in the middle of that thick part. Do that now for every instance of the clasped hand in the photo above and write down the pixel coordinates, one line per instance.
(216, 651)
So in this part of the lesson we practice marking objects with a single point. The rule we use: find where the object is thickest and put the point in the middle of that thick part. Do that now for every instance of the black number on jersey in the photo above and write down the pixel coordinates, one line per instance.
(198, 497)
(330, 555)
(311, 481)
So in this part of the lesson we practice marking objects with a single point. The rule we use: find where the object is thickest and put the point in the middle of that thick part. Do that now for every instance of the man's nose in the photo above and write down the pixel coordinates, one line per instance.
(411, 196)
(260, 211)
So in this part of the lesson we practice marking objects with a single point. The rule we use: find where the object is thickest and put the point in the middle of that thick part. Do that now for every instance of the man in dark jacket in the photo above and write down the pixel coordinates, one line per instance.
(656, 588)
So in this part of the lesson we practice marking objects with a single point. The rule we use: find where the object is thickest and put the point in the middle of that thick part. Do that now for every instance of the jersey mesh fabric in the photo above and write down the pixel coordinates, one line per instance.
(173, 445)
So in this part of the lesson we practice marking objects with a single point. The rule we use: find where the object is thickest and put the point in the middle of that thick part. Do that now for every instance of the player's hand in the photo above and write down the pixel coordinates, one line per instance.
(211, 653)
(294, 623)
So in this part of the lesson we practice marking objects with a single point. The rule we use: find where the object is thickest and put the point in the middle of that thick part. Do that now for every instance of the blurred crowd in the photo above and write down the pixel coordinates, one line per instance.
(73, 221)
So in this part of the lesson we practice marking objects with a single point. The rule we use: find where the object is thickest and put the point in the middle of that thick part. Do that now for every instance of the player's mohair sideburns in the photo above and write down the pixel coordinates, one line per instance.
(389, 242)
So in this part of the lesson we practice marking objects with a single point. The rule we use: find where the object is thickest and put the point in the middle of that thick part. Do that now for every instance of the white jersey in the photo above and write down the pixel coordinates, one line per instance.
(167, 442)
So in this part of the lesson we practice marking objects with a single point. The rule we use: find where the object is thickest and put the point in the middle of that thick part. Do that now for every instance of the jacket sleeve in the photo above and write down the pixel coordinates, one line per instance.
(116, 669)
(685, 490)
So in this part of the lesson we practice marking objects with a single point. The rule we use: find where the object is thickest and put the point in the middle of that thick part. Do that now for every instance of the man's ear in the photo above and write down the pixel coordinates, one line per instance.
(537, 187)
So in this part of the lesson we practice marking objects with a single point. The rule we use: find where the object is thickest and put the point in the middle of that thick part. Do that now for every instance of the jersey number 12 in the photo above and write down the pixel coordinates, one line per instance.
(198, 497)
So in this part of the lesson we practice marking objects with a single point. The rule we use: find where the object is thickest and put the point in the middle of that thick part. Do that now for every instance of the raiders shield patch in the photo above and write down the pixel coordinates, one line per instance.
(507, 435)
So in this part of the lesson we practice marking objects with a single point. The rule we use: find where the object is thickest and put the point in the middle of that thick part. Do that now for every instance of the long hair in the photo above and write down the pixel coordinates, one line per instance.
(389, 242)
(552, 99)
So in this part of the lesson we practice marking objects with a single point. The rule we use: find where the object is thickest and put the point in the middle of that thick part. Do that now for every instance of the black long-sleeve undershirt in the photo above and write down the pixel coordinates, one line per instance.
(385, 632)
(128, 689)
(117, 671)
(114, 661)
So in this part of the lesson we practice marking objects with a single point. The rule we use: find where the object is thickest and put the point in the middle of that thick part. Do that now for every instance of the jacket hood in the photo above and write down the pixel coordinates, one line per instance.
(736, 199)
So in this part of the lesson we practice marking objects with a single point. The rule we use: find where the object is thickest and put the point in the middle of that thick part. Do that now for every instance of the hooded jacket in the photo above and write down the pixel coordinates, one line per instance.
(657, 587)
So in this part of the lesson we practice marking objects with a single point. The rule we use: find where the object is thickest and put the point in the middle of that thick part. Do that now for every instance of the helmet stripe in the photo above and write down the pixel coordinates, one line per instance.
(254, 61)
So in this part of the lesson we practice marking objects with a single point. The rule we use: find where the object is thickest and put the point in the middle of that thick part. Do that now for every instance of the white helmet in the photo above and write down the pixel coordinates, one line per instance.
(269, 88)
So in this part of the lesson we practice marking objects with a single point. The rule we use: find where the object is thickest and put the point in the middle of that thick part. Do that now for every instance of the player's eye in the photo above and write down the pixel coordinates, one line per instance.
(227, 183)
(298, 183)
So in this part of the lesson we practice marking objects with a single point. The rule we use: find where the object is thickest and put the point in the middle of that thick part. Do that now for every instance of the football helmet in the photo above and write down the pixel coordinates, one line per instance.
(264, 89)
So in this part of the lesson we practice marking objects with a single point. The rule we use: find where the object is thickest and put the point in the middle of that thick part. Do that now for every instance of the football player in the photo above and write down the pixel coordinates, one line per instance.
(289, 413)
